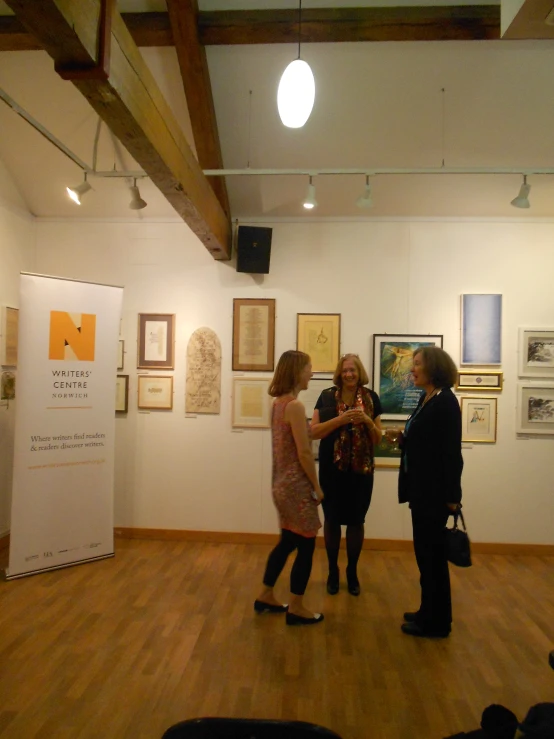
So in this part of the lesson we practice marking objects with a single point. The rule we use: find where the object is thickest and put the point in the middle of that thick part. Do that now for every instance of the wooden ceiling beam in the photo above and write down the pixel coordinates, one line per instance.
(457, 23)
(191, 55)
(131, 104)
(530, 21)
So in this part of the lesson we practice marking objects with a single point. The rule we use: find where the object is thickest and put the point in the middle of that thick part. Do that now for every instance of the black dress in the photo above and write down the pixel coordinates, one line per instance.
(347, 493)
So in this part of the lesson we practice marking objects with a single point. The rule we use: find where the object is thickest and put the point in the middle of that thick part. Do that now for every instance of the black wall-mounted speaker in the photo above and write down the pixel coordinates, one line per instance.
(254, 249)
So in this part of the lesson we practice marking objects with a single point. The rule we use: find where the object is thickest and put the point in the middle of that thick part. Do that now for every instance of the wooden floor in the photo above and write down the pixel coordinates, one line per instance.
(165, 631)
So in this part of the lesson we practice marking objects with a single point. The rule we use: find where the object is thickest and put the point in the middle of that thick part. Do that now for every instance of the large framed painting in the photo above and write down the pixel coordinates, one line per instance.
(254, 334)
(479, 419)
(156, 341)
(318, 334)
(392, 377)
(535, 408)
(536, 352)
(481, 330)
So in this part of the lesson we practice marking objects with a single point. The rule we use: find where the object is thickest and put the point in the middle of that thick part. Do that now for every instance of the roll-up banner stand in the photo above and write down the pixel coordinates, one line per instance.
(63, 478)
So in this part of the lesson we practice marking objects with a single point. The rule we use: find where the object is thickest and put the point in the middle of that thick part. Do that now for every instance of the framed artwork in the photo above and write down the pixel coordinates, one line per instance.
(8, 336)
(318, 334)
(315, 388)
(7, 386)
(155, 392)
(479, 419)
(536, 352)
(156, 341)
(254, 334)
(392, 377)
(120, 354)
(251, 403)
(481, 329)
(387, 453)
(122, 393)
(471, 380)
(535, 408)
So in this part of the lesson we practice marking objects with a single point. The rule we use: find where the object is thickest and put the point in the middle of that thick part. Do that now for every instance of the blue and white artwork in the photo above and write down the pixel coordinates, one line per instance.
(481, 329)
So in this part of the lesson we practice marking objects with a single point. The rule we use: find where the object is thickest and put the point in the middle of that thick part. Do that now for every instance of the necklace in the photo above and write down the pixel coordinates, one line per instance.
(432, 394)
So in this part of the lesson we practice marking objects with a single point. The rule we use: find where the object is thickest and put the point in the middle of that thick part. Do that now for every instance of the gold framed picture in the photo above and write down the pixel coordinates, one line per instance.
(9, 336)
(318, 334)
(120, 354)
(122, 394)
(156, 341)
(155, 392)
(251, 402)
(487, 380)
(387, 452)
(479, 419)
(254, 334)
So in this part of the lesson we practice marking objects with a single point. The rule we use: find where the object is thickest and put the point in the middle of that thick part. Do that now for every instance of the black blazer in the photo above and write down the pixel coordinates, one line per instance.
(431, 463)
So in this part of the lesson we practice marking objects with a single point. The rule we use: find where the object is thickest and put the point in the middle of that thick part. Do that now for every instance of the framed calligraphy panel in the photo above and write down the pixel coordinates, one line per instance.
(254, 334)
(156, 341)
(318, 334)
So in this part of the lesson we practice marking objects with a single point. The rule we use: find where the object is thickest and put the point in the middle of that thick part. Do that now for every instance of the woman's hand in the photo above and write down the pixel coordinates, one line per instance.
(317, 495)
(453, 507)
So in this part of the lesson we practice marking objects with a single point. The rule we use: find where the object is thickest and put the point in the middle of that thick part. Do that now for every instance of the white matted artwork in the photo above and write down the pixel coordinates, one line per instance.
(471, 380)
(535, 408)
(251, 402)
(309, 397)
(479, 419)
(536, 352)
(481, 330)
(155, 392)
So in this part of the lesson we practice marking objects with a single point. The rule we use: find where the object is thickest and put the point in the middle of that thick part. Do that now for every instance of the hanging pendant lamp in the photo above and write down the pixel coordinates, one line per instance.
(296, 93)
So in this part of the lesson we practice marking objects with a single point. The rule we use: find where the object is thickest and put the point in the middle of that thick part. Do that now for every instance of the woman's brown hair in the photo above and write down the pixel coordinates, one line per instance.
(438, 365)
(363, 379)
(287, 374)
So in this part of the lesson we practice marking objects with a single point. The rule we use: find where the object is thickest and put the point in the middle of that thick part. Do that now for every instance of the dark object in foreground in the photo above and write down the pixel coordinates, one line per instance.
(239, 728)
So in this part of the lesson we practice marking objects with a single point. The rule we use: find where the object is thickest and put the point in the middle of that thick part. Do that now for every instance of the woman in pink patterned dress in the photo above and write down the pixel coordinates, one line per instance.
(296, 490)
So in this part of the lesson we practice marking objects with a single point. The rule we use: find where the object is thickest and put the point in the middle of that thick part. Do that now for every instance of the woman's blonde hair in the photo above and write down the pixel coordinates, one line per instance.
(287, 374)
(363, 379)
(438, 365)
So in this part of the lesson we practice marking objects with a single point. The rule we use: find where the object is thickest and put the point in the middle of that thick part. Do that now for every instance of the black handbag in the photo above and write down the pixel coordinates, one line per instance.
(458, 550)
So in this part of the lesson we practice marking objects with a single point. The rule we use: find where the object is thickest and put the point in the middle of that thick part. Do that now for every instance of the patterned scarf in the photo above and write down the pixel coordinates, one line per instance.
(354, 448)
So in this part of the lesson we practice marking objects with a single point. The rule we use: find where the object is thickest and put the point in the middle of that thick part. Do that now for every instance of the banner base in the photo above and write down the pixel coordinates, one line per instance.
(17, 575)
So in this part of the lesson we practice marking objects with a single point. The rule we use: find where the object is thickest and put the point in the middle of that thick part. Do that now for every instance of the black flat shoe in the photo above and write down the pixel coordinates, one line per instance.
(411, 616)
(414, 629)
(261, 607)
(294, 620)
(354, 588)
(333, 583)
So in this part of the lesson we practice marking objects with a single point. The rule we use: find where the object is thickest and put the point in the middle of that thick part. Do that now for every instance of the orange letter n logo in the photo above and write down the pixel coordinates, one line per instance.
(72, 336)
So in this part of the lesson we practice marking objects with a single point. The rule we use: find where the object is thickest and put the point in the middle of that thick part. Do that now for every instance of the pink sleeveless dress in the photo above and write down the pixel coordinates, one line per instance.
(292, 490)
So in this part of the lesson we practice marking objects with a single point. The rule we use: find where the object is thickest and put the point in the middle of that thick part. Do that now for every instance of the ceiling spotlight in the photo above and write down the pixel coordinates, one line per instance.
(137, 203)
(76, 193)
(365, 201)
(296, 93)
(310, 201)
(522, 200)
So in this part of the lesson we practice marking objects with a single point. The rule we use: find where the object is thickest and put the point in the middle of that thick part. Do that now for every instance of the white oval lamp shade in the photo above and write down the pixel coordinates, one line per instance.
(296, 94)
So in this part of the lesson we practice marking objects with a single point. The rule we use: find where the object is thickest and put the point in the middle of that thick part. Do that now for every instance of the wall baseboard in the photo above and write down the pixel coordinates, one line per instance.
(388, 545)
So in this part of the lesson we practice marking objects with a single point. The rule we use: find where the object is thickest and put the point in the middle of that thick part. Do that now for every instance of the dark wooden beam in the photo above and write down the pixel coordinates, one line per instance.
(131, 104)
(183, 16)
(529, 21)
(458, 23)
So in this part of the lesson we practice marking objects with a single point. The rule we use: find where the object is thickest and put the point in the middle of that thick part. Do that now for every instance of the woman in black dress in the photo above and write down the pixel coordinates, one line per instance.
(430, 481)
(347, 420)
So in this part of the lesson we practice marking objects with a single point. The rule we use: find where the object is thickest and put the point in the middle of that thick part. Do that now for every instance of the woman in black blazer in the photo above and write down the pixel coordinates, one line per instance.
(430, 481)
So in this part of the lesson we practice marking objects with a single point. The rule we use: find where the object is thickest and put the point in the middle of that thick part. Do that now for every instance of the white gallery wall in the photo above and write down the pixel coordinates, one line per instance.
(17, 254)
(196, 473)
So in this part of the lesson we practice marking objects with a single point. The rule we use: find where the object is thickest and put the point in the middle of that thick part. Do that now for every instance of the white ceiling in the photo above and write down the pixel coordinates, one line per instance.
(377, 106)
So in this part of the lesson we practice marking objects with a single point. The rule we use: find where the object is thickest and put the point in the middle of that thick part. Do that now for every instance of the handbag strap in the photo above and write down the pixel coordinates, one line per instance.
(460, 515)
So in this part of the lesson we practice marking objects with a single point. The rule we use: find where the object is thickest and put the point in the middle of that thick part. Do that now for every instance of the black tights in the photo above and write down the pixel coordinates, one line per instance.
(302, 567)
(354, 543)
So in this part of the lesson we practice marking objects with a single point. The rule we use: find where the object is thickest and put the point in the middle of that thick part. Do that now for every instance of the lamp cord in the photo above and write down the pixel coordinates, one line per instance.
(299, 25)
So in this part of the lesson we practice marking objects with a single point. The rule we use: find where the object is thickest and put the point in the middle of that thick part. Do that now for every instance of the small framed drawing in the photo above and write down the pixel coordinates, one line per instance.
(122, 393)
(9, 336)
(254, 334)
(392, 377)
(156, 341)
(120, 354)
(310, 396)
(535, 408)
(387, 452)
(471, 380)
(479, 419)
(251, 403)
(155, 392)
(481, 329)
(536, 352)
(318, 334)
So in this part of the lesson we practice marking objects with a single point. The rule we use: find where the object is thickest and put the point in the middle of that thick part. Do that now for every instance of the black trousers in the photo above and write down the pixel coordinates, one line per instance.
(428, 523)
(302, 567)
